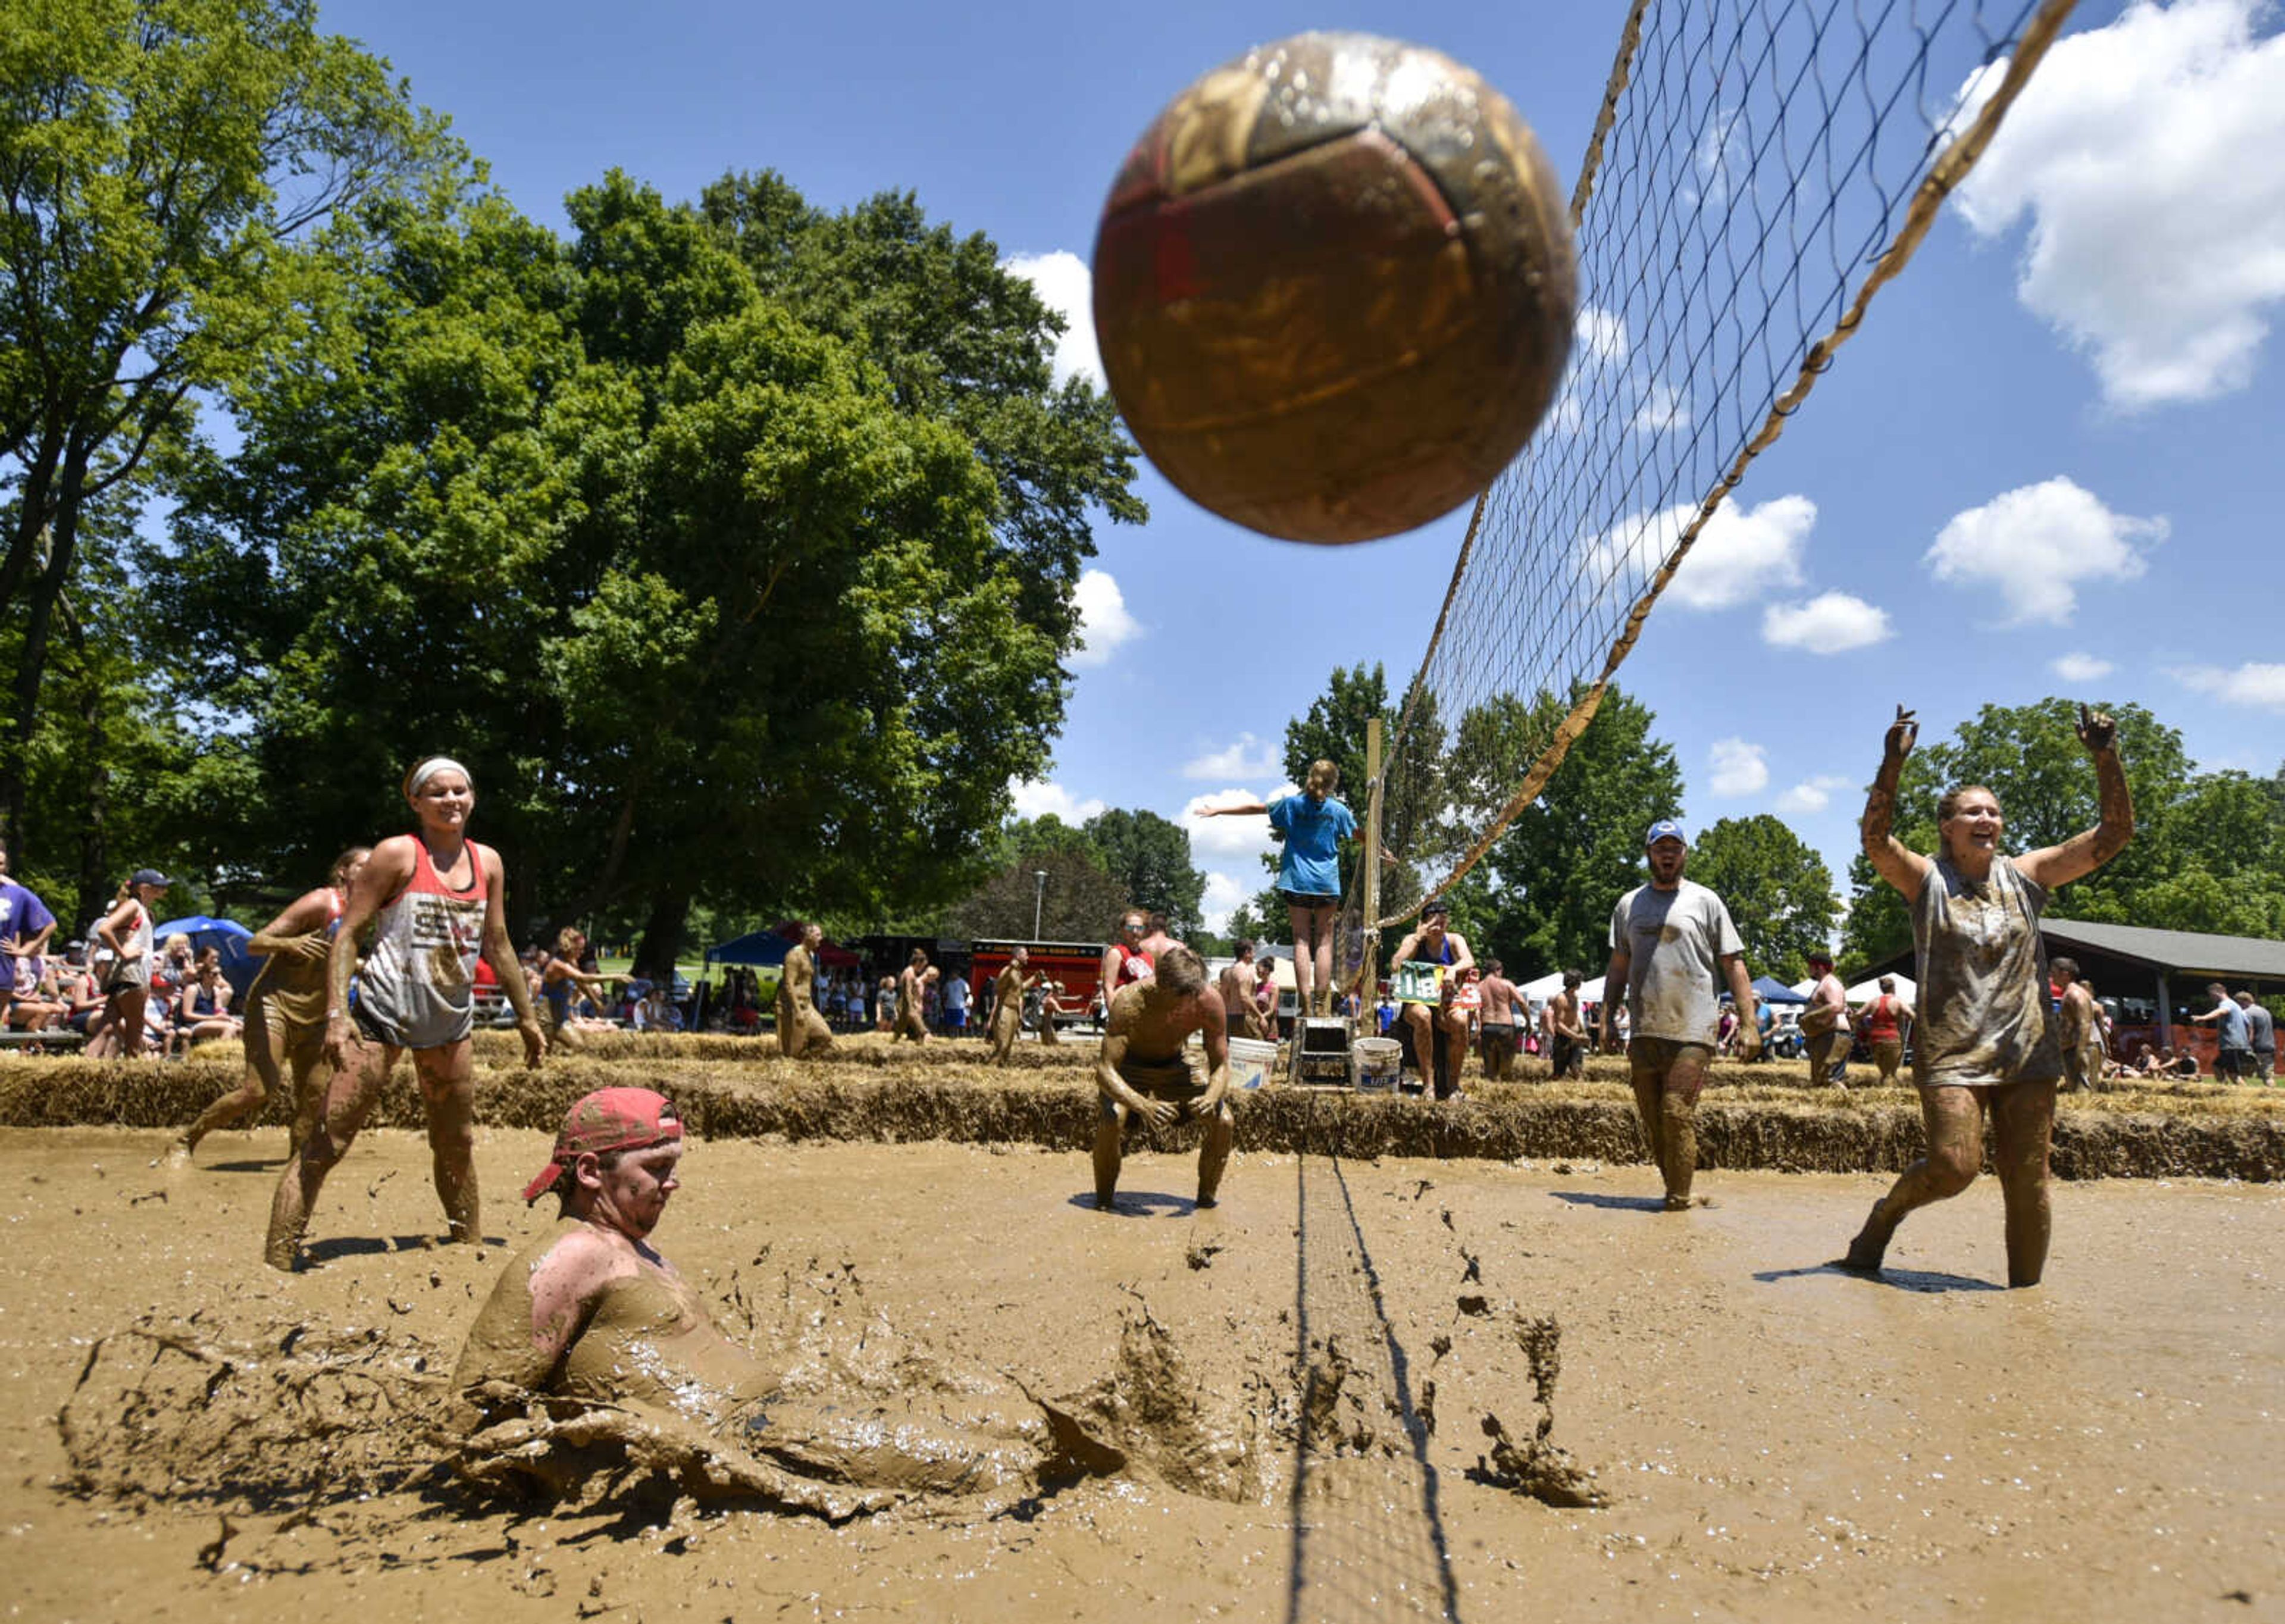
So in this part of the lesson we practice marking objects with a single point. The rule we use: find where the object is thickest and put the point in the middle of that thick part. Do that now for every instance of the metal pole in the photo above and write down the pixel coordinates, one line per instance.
(1368, 968)
(1038, 900)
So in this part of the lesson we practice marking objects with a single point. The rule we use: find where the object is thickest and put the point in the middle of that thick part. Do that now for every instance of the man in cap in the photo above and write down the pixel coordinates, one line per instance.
(1670, 939)
(1826, 1022)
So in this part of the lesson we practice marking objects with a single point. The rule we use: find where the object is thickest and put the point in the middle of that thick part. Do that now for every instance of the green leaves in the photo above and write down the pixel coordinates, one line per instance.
(1778, 891)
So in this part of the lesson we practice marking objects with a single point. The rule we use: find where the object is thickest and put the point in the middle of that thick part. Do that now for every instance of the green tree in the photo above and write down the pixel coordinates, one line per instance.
(1150, 858)
(1778, 891)
(164, 162)
(1568, 857)
(1077, 902)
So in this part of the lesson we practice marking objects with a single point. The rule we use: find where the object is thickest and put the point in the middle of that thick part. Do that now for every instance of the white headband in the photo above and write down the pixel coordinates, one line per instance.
(429, 768)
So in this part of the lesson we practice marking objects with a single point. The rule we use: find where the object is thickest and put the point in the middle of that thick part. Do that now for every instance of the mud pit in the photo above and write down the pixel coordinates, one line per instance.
(1776, 1440)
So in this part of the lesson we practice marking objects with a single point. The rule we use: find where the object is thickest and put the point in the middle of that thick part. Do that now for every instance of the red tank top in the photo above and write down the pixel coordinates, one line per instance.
(1134, 965)
(1881, 1020)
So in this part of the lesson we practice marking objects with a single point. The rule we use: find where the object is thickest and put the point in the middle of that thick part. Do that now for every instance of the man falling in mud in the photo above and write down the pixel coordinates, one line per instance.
(801, 1029)
(1141, 1069)
(1670, 939)
(1015, 981)
(1239, 981)
(591, 1312)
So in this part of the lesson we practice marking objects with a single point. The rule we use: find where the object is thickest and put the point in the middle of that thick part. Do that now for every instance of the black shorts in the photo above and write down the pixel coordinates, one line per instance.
(1309, 900)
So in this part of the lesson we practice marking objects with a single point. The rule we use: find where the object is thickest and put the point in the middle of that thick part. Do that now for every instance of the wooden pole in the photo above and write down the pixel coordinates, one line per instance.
(1369, 967)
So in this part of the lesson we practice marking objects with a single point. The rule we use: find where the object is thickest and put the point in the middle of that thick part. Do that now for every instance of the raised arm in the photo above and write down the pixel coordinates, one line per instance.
(1243, 809)
(2084, 852)
(1891, 858)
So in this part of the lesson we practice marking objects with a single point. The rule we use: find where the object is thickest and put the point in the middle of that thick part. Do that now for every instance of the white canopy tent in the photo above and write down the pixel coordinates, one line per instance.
(1865, 991)
(1547, 987)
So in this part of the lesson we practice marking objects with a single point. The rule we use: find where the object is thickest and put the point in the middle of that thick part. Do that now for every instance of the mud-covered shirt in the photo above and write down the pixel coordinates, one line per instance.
(1984, 1014)
(1675, 942)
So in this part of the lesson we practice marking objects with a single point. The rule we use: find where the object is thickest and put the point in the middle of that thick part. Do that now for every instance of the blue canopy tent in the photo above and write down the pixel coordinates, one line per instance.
(226, 936)
(760, 948)
(1770, 990)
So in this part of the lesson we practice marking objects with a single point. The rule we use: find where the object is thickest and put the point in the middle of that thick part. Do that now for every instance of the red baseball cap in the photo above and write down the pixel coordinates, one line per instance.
(607, 1119)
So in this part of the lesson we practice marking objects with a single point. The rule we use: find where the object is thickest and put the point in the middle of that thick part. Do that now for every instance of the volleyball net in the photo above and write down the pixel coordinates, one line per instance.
(1758, 172)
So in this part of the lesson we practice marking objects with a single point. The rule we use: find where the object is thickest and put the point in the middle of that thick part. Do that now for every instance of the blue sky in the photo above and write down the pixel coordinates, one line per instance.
(2038, 469)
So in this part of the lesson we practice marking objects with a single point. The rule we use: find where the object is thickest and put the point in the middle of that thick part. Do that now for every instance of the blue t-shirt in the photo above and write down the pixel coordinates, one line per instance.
(1313, 831)
(2236, 1032)
(22, 916)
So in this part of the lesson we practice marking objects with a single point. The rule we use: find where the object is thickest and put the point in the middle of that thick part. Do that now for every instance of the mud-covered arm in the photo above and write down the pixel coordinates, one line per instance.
(1216, 1035)
(1615, 983)
(1891, 858)
(1108, 1059)
(298, 931)
(2090, 849)
(386, 871)
(500, 952)
(1741, 994)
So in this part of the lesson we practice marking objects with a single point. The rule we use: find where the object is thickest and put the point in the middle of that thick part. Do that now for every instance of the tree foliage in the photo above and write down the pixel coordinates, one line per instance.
(1778, 891)
(1149, 857)
(1077, 901)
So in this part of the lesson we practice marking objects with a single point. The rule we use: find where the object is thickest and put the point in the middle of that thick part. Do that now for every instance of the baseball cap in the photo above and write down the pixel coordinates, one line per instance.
(1665, 828)
(149, 877)
(607, 1119)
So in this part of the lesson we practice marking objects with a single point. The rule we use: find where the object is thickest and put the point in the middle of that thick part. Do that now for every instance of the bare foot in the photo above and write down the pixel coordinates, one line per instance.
(1865, 1251)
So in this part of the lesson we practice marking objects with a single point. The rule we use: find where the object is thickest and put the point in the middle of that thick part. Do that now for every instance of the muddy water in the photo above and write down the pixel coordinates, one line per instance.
(1775, 1441)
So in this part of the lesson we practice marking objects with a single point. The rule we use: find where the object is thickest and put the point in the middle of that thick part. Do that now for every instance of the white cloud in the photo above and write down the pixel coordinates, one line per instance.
(2033, 544)
(1067, 288)
(1104, 622)
(2081, 668)
(1600, 335)
(2158, 229)
(1660, 410)
(1739, 768)
(1038, 797)
(1249, 757)
(1230, 844)
(1832, 622)
(1813, 795)
(1740, 555)
(2254, 684)
(1224, 896)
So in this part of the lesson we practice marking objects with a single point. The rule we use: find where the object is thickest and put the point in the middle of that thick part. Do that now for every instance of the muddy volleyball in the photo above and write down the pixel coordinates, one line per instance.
(1334, 287)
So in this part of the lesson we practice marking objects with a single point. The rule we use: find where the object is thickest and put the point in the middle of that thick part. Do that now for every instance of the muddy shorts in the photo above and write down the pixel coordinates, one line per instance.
(379, 1030)
(1499, 1038)
(1567, 1055)
(1166, 1079)
(1889, 1055)
(1680, 1067)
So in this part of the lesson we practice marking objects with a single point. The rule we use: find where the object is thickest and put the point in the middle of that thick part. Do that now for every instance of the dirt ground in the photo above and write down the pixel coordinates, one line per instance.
(1776, 1440)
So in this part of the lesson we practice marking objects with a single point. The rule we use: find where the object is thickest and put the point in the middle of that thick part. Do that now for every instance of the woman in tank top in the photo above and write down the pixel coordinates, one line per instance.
(1984, 1037)
(123, 951)
(435, 901)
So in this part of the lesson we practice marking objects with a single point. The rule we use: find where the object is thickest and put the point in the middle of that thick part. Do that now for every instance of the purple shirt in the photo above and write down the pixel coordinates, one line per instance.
(22, 916)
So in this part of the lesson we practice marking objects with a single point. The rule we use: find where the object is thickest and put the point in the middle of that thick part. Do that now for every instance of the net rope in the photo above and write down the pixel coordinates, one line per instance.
(1759, 169)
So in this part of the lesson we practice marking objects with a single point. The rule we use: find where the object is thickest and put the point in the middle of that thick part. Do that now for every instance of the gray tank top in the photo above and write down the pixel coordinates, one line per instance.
(1984, 1013)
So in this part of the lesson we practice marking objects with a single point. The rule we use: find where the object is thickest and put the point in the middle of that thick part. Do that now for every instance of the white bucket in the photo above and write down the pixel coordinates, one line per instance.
(1378, 1060)
(1249, 1062)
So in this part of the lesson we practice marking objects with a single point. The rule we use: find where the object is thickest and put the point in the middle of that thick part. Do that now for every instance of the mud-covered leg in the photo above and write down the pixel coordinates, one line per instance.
(1110, 1123)
(1213, 1152)
(2023, 1124)
(349, 1099)
(259, 1082)
(1953, 1119)
(1650, 1088)
(1677, 1161)
(448, 1098)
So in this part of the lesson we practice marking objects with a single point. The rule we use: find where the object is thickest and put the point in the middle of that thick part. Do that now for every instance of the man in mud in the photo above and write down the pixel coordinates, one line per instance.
(2233, 1035)
(1239, 981)
(1670, 941)
(1497, 994)
(1141, 1071)
(802, 1030)
(1826, 1022)
(2261, 1037)
(2074, 1026)
(1433, 942)
(1566, 1038)
(911, 989)
(591, 1312)
(1015, 982)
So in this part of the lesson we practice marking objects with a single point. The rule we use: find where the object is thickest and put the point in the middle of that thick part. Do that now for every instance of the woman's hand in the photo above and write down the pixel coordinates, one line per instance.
(1905, 732)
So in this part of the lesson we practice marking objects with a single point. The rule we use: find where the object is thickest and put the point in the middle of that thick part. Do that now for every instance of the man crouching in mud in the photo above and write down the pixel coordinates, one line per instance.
(590, 1311)
(1141, 1069)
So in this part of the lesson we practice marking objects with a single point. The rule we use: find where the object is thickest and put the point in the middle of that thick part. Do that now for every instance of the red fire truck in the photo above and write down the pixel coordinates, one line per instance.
(1078, 966)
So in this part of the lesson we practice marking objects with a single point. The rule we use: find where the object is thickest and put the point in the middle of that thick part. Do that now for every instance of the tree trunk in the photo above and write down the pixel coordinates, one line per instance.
(95, 882)
(40, 606)
(662, 936)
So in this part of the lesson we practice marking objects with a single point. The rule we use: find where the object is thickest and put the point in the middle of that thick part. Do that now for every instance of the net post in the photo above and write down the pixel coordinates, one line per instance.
(1368, 911)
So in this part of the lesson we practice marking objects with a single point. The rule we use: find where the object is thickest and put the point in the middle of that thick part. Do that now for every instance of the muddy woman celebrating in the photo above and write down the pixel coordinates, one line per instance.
(436, 900)
(1313, 822)
(1986, 1036)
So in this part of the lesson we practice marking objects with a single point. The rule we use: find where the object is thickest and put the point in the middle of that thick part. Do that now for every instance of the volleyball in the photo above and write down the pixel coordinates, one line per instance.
(1334, 287)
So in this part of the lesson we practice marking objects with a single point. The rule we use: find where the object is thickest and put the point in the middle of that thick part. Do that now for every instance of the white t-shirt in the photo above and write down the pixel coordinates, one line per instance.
(1676, 941)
